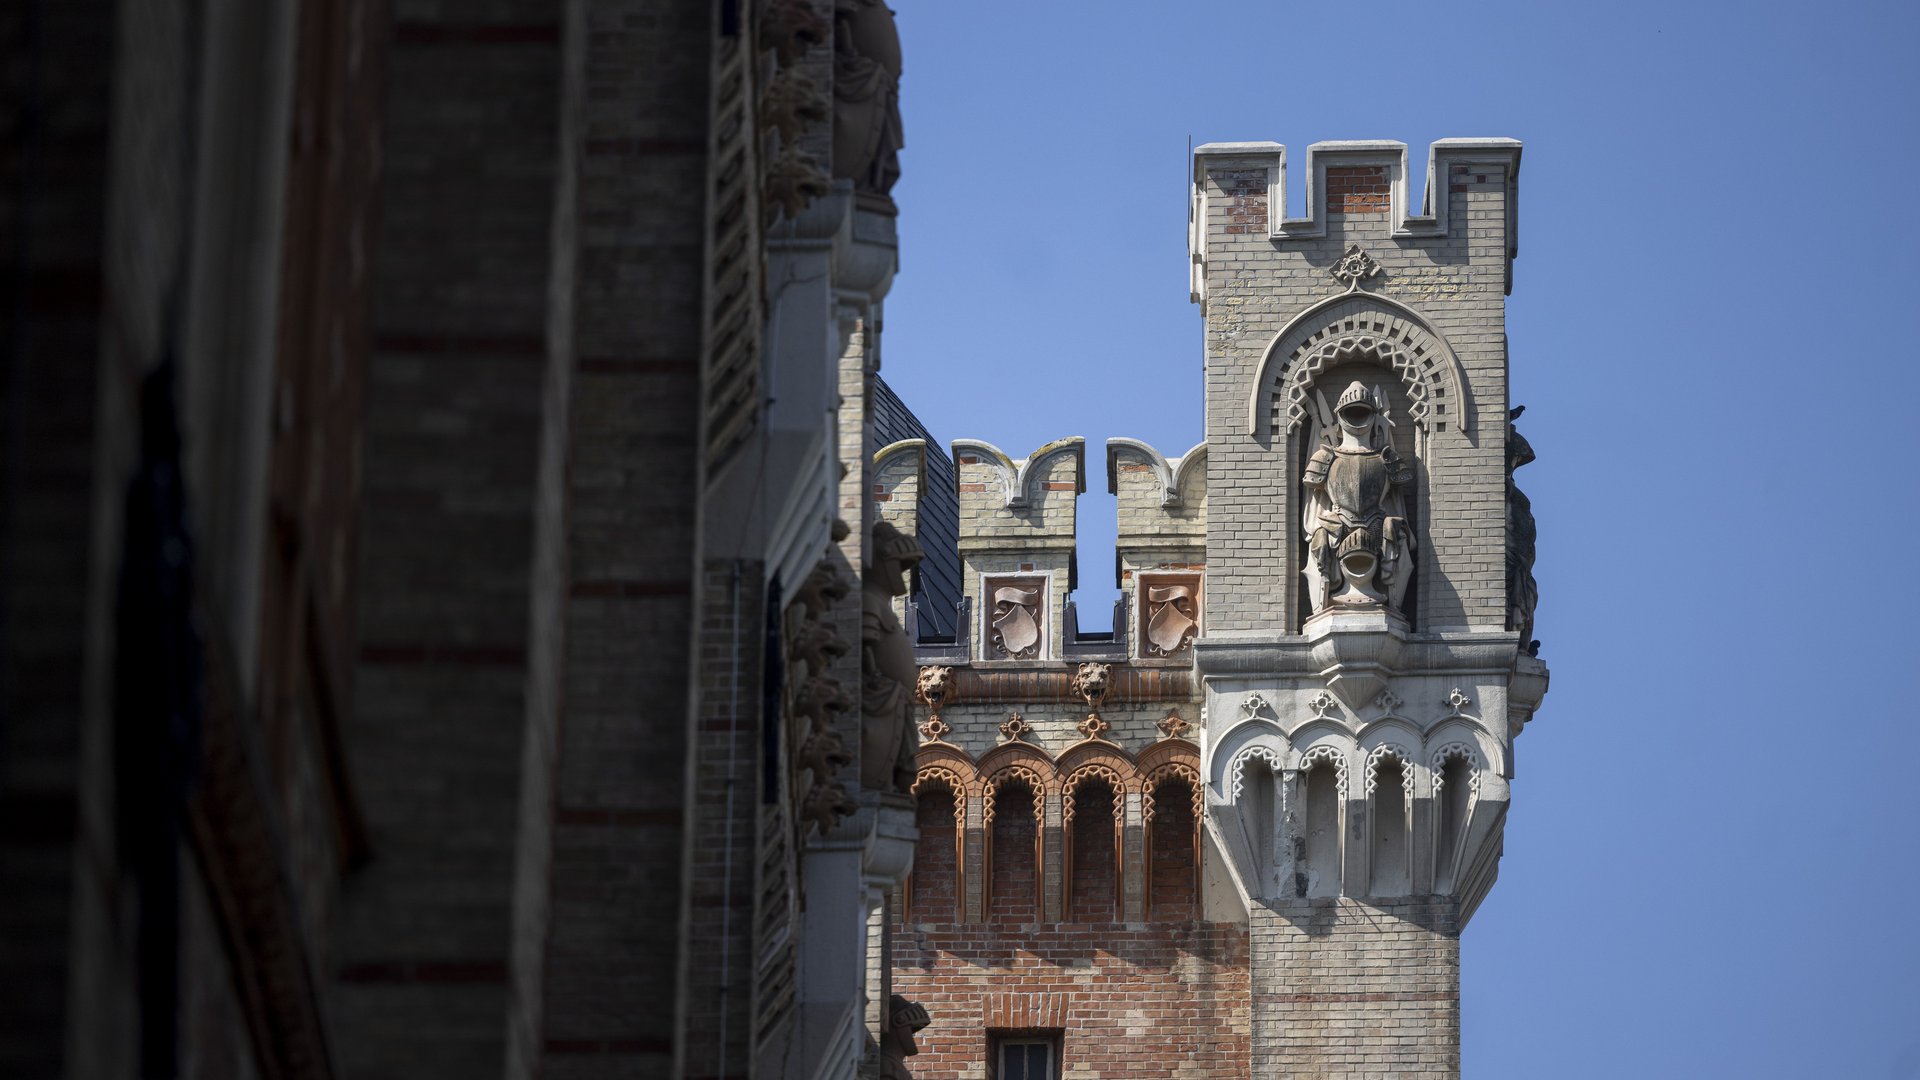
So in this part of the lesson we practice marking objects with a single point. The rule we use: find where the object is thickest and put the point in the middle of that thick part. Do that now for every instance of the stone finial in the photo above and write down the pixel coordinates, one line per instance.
(1173, 725)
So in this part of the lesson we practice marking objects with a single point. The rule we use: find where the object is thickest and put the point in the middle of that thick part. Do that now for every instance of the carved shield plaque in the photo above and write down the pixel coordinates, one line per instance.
(1169, 612)
(1016, 617)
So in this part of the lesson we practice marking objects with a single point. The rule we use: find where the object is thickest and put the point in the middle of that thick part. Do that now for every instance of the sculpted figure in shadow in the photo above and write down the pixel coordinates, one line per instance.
(887, 671)
(866, 96)
(1522, 591)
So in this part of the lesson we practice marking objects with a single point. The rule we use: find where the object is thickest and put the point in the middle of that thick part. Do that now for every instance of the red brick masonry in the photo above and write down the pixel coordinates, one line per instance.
(1133, 1001)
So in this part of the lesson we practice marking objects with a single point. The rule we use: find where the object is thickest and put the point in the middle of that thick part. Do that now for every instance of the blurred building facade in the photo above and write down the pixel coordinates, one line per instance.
(434, 539)
(457, 548)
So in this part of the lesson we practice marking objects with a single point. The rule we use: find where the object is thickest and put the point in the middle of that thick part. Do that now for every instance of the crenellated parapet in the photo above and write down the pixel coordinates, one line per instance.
(1017, 532)
(1356, 190)
(1160, 551)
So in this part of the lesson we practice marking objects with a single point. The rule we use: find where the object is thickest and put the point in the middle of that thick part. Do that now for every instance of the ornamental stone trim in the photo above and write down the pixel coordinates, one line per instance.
(1332, 755)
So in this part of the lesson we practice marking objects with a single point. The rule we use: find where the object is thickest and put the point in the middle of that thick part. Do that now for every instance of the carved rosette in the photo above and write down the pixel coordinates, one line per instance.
(1173, 725)
(1014, 728)
(1354, 267)
(813, 699)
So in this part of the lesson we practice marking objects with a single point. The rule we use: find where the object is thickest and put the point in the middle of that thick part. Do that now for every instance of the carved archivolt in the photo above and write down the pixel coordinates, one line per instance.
(1456, 750)
(1179, 770)
(1080, 776)
(1238, 771)
(936, 775)
(1333, 756)
(1378, 757)
(1373, 328)
(1020, 772)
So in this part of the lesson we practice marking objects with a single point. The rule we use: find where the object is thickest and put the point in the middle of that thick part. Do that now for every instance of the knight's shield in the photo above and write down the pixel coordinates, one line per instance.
(1172, 618)
(1015, 629)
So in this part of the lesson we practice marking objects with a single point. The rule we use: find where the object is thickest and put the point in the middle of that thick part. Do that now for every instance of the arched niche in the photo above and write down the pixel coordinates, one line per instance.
(1348, 325)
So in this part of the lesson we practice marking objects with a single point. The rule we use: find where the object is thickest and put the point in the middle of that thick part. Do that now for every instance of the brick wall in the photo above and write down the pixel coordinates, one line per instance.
(452, 414)
(1012, 885)
(1093, 876)
(1352, 989)
(1357, 189)
(1166, 1000)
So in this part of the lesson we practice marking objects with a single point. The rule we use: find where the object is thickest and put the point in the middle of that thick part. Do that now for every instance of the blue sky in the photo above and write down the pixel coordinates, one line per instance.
(1712, 856)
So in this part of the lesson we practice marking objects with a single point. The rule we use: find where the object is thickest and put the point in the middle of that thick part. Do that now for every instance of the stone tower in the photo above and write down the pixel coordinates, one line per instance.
(1365, 663)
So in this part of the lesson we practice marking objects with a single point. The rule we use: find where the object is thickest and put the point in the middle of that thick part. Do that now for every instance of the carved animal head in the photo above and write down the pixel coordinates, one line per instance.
(1090, 682)
(818, 644)
(934, 685)
(818, 698)
(822, 752)
(822, 589)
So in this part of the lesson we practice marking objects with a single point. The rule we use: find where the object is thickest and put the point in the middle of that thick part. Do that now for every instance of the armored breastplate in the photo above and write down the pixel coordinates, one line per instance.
(1357, 481)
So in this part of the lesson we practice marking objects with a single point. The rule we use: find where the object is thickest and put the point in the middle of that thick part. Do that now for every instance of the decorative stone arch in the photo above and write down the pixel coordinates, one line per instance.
(1075, 759)
(1359, 326)
(1181, 769)
(1026, 762)
(1391, 728)
(939, 774)
(1237, 769)
(1470, 732)
(958, 783)
(1379, 754)
(1121, 783)
(1173, 475)
(1333, 754)
(947, 759)
(1450, 751)
(1017, 477)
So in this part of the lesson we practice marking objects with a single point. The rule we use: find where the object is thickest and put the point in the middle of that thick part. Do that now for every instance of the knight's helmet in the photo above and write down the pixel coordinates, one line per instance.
(891, 543)
(1357, 392)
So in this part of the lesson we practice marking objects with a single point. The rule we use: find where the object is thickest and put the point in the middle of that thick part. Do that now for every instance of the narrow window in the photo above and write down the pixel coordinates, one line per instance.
(1259, 803)
(1093, 861)
(933, 889)
(1456, 789)
(1320, 829)
(1388, 815)
(1172, 890)
(1023, 1056)
(1013, 881)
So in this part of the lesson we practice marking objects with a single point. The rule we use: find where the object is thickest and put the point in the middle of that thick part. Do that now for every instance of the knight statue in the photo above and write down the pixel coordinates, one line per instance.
(897, 1044)
(1355, 517)
(1522, 592)
(866, 90)
(888, 674)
